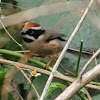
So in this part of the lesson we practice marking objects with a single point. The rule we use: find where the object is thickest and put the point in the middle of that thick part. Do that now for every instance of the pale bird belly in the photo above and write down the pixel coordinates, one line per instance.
(44, 49)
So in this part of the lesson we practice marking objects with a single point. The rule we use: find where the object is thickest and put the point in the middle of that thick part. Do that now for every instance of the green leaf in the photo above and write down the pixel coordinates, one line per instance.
(83, 90)
(2, 75)
(82, 94)
(53, 87)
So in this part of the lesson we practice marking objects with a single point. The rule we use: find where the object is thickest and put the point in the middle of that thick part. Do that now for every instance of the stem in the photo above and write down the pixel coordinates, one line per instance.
(89, 62)
(94, 83)
(78, 62)
(28, 81)
(16, 54)
(59, 76)
(82, 95)
(64, 51)
(78, 84)
(3, 51)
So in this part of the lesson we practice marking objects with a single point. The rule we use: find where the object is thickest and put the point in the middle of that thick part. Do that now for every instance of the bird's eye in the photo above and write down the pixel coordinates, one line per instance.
(30, 32)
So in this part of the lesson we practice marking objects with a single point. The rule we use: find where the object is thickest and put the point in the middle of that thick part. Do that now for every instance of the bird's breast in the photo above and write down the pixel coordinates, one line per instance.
(44, 48)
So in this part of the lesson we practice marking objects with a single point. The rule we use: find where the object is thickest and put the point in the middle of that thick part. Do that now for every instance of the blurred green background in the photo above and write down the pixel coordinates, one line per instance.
(62, 21)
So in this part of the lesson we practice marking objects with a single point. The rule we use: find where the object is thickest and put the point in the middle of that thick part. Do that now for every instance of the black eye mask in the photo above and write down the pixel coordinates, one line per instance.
(35, 33)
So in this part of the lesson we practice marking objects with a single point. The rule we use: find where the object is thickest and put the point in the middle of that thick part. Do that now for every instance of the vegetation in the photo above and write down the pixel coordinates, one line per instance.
(62, 16)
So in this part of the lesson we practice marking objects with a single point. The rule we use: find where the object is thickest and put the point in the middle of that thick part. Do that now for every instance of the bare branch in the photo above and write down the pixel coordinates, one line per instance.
(64, 50)
(88, 95)
(28, 80)
(88, 63)
(17, 92)
(11, 36)
(78, 84)
(59, 76)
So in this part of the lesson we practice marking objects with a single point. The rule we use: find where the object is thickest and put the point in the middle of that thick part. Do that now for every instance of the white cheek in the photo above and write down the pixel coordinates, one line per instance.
(28, 37)
(41, 37)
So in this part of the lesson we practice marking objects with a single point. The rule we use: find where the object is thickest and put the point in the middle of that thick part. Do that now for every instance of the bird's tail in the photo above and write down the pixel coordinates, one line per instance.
(86, 50)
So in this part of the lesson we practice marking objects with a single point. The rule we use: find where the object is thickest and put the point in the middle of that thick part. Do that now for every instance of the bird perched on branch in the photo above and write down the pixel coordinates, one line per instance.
(43, 42)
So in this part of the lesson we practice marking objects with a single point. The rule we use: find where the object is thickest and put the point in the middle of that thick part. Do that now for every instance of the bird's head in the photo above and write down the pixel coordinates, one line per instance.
(31, 31)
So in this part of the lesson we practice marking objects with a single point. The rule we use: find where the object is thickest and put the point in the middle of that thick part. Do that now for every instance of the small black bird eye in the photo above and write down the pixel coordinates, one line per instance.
(30, 32)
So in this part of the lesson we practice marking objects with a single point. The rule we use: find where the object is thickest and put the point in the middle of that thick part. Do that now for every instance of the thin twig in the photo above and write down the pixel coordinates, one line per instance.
(11, 36)
(69, 92)
(88, 95)
(28, 80)
(64, 50)
(88, 63)
(68, 72)
(59, 76)
(17, 92)
(25, 51)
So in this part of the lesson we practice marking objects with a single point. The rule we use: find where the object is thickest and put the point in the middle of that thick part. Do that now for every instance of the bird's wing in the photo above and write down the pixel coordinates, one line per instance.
(51, 35)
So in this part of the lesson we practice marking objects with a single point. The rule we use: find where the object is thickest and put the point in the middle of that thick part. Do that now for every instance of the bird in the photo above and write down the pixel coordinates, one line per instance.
(43, 42)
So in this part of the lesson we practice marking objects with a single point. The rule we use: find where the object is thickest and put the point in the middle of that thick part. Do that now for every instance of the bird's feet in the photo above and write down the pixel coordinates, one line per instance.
(48, 64)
